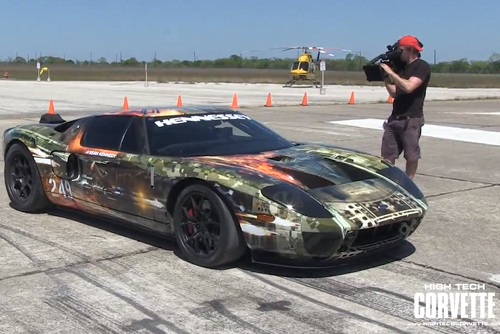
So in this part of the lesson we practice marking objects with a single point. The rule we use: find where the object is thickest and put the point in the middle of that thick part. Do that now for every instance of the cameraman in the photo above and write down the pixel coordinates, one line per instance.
(402, 130)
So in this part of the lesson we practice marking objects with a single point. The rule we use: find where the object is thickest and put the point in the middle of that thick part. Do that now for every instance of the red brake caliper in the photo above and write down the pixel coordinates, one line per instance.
(190, 225)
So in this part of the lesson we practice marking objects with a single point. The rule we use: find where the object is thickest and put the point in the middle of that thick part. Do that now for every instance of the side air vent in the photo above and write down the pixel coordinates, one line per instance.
(282, 158)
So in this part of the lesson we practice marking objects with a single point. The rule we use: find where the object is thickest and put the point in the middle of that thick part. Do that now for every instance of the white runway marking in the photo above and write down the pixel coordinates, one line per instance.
(495, 278)
(494, 113)
(435, 131)
(309, 130)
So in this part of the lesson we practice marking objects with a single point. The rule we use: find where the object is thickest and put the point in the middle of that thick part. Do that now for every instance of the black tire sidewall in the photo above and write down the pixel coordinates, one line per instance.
(37, 199)
(229, 240)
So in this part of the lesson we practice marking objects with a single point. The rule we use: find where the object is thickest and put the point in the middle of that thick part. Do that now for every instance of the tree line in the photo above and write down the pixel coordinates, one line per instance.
(352, 62)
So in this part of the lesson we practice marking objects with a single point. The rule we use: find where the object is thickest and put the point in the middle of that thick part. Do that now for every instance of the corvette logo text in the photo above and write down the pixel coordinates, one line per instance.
(469, 303)
(207, 118)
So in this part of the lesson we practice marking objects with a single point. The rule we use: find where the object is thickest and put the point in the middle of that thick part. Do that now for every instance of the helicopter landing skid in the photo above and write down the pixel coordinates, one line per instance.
(292, 82)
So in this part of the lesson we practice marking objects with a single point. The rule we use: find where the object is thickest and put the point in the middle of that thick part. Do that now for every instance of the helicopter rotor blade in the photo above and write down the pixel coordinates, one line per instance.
(294, 48)
(321, 51)
(287, 48)
(318, 48)
(259, 50)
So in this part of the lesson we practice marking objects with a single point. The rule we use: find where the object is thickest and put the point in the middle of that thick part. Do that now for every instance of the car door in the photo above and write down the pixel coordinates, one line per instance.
(134, 180)
(112, 151)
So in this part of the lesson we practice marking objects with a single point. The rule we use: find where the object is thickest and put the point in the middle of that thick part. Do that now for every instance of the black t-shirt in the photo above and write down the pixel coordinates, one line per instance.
(412, 104)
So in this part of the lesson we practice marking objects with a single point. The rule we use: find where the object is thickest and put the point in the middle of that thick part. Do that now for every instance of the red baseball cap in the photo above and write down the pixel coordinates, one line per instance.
(411, 41)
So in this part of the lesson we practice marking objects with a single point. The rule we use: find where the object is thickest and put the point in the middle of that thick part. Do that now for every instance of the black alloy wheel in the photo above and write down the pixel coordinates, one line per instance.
(200, 224)
(205, 229)
(22, 181)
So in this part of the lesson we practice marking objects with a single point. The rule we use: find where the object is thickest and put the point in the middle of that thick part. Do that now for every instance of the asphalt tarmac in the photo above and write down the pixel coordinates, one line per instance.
(26, 96)
(65, 273)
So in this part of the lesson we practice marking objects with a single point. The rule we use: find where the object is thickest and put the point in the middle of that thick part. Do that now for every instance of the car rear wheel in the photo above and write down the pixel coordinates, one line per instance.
(23, 182)
(205, 229)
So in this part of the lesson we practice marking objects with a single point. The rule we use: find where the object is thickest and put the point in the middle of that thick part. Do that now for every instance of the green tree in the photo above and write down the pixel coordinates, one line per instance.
(352, 62)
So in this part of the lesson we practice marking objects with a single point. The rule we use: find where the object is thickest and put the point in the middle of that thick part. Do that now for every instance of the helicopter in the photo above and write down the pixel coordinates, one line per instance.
(305, 67)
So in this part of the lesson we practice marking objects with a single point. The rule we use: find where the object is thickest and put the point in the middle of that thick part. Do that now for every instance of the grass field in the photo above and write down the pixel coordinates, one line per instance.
(236, 75)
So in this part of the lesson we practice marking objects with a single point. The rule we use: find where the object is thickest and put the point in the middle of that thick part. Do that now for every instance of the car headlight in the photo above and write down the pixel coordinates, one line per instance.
(296, 200)
(398, 176)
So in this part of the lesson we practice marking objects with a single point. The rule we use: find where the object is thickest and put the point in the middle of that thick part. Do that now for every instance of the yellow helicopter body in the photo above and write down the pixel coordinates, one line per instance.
(305, 67)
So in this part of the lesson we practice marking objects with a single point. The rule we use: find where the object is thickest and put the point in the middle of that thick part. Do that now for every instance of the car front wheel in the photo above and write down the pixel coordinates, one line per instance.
(205, 229)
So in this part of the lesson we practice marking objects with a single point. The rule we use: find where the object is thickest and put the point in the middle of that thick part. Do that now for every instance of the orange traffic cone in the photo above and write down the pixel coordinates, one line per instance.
(235, 101)
(304, 100)
(51, 108)
(390, 99)
(351, 100)
(268, 101)
(125, 103)
(179, 101)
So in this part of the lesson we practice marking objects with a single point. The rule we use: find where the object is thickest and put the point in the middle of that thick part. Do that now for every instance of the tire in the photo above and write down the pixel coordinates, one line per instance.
(36, 200)
(231, 245)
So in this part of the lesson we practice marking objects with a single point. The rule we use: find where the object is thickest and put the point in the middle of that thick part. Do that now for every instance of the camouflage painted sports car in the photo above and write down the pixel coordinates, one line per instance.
(218, 181)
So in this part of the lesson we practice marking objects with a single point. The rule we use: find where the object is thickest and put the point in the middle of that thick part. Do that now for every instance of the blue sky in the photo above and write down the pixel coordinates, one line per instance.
(218, 28)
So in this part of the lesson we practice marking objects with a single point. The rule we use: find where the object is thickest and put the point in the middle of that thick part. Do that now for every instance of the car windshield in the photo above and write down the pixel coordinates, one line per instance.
(211, 134)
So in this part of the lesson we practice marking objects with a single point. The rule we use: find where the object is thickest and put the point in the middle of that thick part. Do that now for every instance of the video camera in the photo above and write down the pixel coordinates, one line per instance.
(392, 57)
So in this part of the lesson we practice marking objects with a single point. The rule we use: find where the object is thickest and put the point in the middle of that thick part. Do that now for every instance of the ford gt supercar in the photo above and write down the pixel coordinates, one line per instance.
(217, 181)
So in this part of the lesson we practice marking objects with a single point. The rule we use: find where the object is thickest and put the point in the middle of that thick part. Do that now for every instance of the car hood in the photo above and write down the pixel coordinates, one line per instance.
(309, 167)
(344, 181)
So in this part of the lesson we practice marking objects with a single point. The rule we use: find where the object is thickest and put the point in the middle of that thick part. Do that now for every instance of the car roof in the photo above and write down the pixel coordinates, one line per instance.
(172, 111)
(153, 112)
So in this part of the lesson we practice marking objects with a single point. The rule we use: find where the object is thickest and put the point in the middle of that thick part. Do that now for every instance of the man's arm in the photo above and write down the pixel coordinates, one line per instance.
(391, 88)
(409, 85)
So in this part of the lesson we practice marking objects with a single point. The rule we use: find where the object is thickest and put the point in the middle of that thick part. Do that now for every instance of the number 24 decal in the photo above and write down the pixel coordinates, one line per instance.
(63, 188)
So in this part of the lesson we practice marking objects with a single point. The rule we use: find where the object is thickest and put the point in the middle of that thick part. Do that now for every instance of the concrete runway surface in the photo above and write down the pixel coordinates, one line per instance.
(86, 96)
(65, 273)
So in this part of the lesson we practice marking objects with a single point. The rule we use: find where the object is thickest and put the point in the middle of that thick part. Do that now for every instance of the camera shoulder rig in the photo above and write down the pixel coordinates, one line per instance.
(391, 57)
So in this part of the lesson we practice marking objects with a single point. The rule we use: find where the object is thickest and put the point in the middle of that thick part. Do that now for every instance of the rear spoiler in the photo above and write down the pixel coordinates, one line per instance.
(51, 119)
